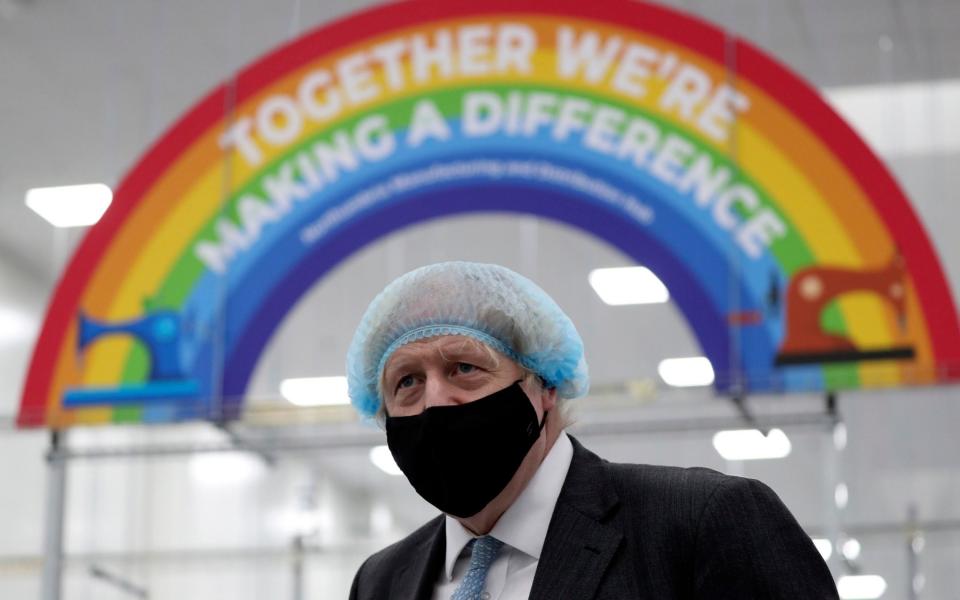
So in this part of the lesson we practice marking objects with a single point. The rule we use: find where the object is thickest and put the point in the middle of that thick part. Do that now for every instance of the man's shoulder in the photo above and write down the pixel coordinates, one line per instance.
(668, 504)
(686, 493)
(706, 534)
(643, 479)
(695, 481)
(700, 483)
(658, 491)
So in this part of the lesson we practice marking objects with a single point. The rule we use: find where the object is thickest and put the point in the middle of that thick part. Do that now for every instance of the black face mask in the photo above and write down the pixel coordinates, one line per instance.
(460, 457)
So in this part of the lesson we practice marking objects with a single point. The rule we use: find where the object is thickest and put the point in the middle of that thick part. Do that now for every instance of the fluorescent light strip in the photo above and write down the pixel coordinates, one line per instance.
(686, 372)
(315, 391)
(620, 286)
(824, 547)
(751, 444)
(15, 325)
(861, 587)
(225, 468)
(841, 495)
(383, 459)
(903, 119)
(70, 205)
(851, 549)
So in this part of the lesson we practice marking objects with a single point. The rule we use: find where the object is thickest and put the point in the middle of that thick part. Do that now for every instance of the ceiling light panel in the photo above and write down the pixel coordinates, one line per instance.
(628, 285)
(70, 205)
(690, 371)
(315, 391)
(751, 444)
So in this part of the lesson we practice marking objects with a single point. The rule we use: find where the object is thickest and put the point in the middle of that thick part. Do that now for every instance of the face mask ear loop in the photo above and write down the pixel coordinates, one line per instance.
(545, 413)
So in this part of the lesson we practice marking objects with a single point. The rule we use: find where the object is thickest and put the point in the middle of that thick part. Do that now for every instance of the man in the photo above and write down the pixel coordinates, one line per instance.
(469, 366)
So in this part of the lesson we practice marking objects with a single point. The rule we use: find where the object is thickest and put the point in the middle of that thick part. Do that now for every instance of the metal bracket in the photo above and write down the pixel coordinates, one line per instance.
(239, 442)
(119, 582)
(740, 403)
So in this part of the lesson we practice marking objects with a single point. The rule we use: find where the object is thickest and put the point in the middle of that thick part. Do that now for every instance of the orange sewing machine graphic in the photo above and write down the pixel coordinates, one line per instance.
(810, 291)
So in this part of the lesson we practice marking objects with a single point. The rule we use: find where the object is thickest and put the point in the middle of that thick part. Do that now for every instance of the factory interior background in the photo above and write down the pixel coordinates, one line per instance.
(287, 501)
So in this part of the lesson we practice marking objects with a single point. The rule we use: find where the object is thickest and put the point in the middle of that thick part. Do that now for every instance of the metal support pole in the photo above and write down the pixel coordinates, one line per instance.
(298, 568)
(737, 468)
(53, 530)
(119, 582)
(832, 478)
(740, 403)
(831, 406)
(915, 581)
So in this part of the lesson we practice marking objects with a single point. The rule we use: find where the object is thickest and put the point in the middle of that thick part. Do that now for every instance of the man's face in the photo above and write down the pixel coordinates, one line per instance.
(450, 370)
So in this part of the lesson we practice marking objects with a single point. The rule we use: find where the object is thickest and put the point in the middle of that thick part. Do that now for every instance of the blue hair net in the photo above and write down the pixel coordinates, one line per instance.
(489, 303)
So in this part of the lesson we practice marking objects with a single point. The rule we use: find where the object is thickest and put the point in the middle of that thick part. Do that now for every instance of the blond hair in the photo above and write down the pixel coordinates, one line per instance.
(563, 409)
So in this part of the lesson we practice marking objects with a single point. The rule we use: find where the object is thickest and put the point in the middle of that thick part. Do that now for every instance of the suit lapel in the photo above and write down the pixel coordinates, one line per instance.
(579, 544)
(416, 579)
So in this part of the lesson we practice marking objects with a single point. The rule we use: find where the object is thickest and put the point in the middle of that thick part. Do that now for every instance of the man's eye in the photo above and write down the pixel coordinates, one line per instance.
(464, 368)
(405, 382)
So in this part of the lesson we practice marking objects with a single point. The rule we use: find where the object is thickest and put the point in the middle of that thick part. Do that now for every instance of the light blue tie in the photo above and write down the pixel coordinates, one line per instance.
(484, 551)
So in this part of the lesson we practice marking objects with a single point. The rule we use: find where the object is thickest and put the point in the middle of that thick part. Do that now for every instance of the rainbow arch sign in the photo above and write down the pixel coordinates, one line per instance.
(788, 246)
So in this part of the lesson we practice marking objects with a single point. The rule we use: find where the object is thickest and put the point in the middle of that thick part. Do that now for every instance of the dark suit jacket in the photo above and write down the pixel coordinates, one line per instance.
(626, 532)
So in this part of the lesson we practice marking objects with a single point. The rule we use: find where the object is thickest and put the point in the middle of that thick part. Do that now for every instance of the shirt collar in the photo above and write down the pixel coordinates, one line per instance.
(524, 524)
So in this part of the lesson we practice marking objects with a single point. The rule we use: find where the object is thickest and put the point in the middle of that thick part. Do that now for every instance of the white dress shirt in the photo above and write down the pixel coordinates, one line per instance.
(522, 529)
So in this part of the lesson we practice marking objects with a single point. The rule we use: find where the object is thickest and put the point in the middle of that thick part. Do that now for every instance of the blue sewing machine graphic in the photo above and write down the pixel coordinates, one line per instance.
(161, 333)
